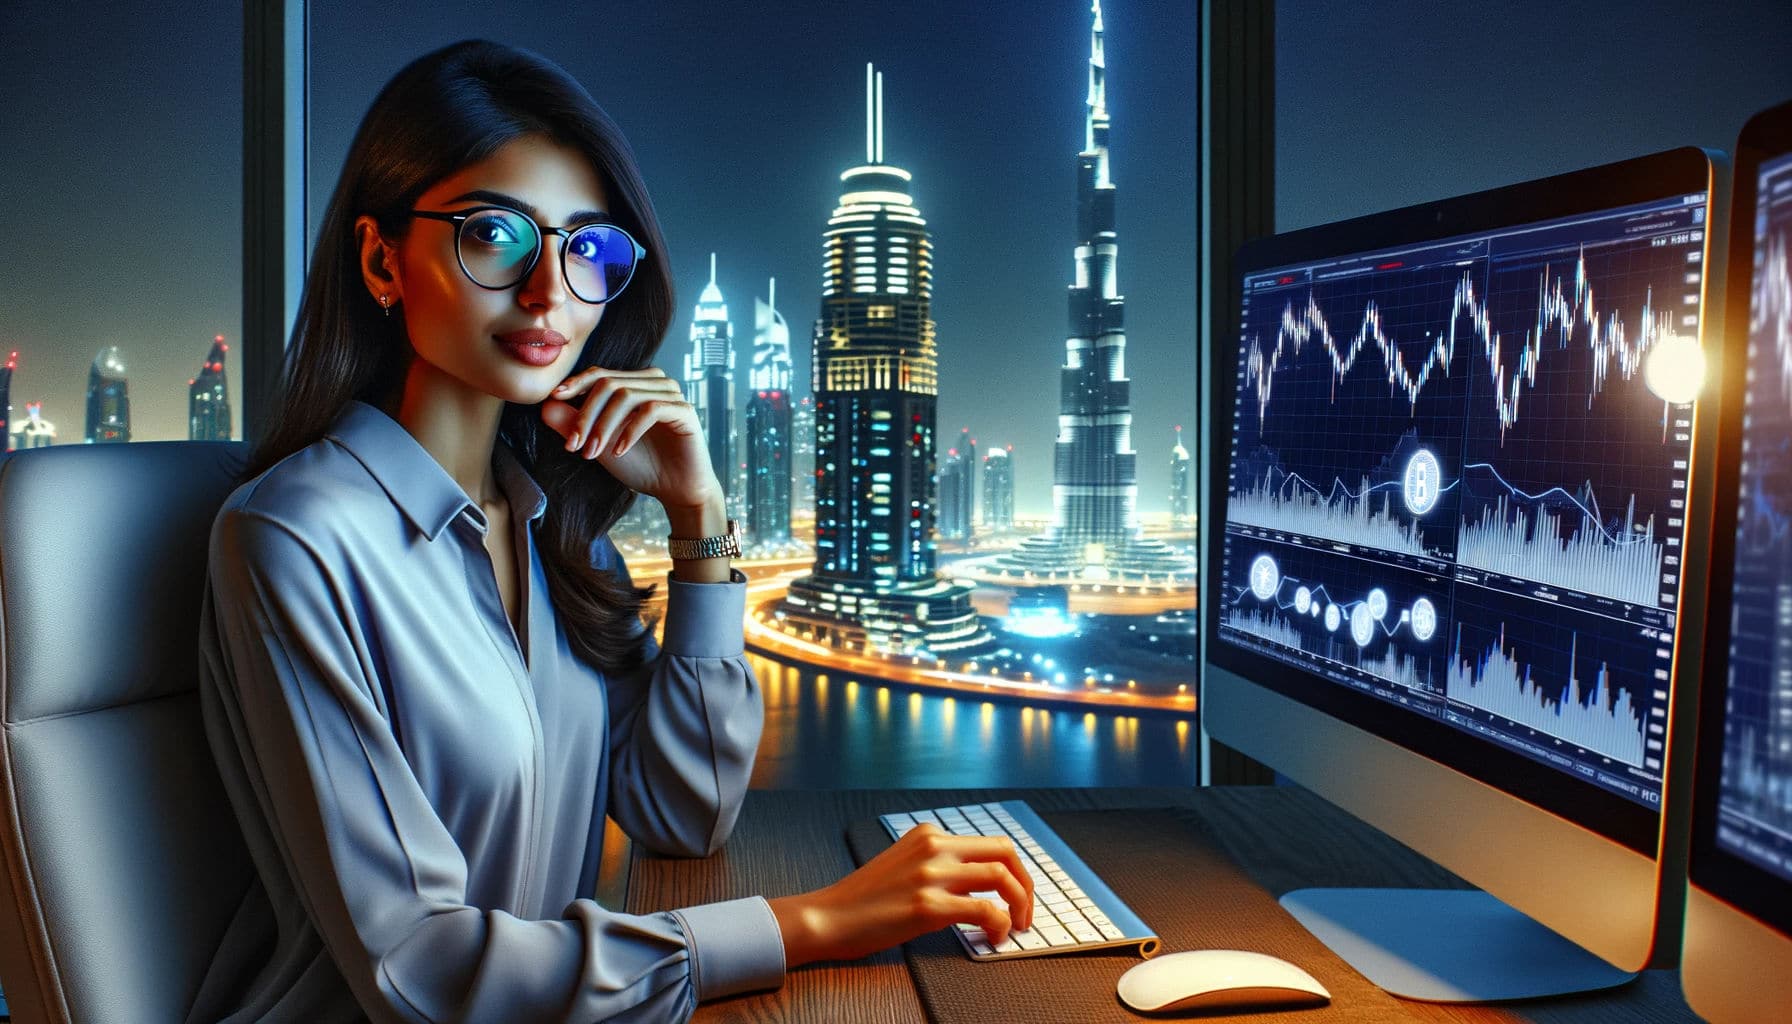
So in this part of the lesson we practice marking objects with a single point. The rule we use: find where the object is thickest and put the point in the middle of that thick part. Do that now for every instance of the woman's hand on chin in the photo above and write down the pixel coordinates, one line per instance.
(637, 425)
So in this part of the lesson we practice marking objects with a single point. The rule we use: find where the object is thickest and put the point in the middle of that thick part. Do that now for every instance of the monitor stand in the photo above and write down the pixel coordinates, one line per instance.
(1448, 945)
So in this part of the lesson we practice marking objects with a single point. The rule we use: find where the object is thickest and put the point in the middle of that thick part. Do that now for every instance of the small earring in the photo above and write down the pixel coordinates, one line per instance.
(386, 304)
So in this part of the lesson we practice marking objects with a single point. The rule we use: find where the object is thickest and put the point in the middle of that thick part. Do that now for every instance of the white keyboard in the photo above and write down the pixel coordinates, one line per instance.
(1073, 909)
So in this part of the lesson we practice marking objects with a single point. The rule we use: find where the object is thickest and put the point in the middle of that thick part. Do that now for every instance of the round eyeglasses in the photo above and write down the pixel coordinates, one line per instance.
(498, 247)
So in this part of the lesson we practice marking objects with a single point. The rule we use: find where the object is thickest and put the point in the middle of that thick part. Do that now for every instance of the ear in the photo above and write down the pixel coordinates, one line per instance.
(379, 262)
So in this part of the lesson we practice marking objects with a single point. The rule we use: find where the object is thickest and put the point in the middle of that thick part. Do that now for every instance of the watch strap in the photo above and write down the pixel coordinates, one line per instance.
(725, 544)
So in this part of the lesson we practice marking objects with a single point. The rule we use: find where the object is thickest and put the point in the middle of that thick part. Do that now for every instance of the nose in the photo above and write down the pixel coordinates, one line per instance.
(545, 287)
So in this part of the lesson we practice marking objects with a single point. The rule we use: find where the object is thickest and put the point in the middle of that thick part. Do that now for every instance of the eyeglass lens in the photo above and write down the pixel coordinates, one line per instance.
(496, 247)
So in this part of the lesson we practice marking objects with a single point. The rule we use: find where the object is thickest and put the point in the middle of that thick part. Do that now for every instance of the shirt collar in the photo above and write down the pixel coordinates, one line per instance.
(417, 483)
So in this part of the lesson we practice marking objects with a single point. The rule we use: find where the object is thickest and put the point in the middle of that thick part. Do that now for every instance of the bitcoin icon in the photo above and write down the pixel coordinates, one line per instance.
(1423, 484)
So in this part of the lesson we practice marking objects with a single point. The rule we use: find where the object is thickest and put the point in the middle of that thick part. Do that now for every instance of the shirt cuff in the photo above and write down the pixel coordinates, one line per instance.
(706, 620)
(735, 947)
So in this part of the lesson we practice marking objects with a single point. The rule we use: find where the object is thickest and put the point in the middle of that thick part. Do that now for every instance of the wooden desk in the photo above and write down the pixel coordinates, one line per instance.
(1286, 838)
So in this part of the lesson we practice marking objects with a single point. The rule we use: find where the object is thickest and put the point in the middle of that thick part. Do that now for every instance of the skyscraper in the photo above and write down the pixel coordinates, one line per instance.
(954, 495)
(108, 399)
(1182, 483)
(875, 371)
(208, 398)
(802, 432)
(998, 488)
(12, 363)
(1095, 532)
(967, 447)
(768, 425)
(33, 431)
(709, 378)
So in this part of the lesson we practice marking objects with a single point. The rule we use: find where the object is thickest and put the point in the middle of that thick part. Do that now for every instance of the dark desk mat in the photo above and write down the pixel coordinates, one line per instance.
(1169, 868)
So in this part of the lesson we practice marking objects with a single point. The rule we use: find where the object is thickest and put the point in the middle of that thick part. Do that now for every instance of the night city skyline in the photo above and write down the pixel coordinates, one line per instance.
(978, 104)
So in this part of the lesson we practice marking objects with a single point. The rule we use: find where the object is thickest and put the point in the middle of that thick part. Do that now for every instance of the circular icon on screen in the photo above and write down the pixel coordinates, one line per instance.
(1362, 625)
(1423, 484)
(1266, 579)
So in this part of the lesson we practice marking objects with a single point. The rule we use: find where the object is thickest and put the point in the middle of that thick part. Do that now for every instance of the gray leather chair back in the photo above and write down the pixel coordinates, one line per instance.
(123, 861)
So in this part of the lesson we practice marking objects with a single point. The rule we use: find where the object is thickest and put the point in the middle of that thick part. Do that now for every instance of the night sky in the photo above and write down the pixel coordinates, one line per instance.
(120, 158)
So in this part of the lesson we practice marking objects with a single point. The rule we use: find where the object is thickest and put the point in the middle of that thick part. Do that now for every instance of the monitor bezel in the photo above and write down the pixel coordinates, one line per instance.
(1654, 177)
(1750, 889)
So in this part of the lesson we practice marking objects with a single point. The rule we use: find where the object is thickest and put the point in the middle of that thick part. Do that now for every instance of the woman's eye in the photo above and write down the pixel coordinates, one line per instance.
(493, 232)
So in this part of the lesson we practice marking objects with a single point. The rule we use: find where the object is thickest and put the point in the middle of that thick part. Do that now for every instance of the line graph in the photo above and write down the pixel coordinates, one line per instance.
(1520, 534)
(1562, 311)
(1305, 615)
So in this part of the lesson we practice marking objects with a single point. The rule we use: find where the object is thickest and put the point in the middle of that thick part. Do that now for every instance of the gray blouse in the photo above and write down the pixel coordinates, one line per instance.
(424, 792)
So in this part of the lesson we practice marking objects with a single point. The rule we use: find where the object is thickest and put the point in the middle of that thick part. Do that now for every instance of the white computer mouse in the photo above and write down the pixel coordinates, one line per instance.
(1213, 979)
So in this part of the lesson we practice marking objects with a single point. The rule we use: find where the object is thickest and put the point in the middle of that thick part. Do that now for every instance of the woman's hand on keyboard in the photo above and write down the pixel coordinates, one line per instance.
(922, 883)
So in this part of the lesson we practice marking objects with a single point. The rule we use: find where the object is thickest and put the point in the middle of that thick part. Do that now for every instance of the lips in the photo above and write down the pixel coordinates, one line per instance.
(536, 346)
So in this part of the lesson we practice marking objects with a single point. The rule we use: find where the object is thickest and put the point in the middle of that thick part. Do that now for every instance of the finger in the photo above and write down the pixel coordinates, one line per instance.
(646, 415)
(988, 915)
(621, 401)
(1001, 850)
(582, 380)
(980, 878)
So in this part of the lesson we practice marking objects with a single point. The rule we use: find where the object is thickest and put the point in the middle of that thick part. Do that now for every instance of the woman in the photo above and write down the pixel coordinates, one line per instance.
(423, 670)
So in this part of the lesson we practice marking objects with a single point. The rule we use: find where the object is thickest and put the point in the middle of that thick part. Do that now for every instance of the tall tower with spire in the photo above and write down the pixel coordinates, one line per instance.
(1095, 532)
(709, 378)
(1182, 483)
(768, 425)
(876, 385)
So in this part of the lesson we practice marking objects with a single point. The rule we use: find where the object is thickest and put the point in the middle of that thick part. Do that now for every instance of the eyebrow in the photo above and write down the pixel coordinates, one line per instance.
(485, 195)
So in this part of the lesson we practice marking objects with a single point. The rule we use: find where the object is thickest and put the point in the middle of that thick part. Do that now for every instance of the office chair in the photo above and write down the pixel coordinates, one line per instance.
(123, 860)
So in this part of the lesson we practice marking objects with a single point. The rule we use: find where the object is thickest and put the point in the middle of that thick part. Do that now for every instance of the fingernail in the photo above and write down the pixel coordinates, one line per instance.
(619, 448)
(573, 441)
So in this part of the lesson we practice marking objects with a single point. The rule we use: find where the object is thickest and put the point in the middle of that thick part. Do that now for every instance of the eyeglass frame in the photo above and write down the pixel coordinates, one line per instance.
(459, 219)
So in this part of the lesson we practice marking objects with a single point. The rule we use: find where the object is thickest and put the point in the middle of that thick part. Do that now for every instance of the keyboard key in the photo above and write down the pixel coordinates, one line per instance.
(1029, 939)
(982, 947)
(1008, 945)
(1110, 932)
(1054, 934)
(1085, 932)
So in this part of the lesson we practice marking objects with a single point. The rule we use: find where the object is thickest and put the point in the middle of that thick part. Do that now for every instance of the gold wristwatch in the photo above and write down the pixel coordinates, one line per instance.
(686, 548)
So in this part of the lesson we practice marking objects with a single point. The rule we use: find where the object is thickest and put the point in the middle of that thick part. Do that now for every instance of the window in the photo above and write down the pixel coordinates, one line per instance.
(123, 178)
(963, 331)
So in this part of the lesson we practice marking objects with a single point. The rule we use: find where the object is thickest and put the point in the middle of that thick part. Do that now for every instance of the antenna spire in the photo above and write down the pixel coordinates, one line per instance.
(870, 150)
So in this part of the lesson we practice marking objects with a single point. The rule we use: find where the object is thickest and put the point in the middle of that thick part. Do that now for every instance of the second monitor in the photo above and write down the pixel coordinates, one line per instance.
(1456, 461)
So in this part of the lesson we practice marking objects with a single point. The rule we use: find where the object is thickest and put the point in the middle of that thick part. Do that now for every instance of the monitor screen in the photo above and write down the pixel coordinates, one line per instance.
(1755, 793)
(1457, 475)
(1742, 834)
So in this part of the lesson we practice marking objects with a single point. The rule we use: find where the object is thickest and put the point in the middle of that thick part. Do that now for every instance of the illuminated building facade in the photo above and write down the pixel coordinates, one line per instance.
(768, 425)
(709, 379)
(802, 434)
(108, 399)
(208, 398)
(1095, 532)
(33, 431)
(875, 381)
(954, 495)
(998, 488)
(1182, 483)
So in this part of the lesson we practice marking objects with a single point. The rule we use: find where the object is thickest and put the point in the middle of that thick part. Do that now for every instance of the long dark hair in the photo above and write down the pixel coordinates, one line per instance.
(445, 110)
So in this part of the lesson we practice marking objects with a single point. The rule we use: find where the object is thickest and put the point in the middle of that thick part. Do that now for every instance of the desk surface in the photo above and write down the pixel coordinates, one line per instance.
(794, 841)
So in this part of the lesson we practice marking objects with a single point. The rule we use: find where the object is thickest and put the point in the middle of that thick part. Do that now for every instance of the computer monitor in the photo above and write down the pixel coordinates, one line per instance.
(1738, 954)
(1456, 460)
